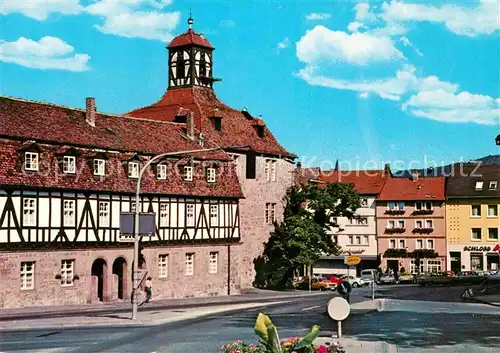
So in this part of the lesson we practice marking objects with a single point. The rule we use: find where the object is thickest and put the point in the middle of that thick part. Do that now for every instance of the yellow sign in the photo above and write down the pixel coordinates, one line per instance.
(352, 260)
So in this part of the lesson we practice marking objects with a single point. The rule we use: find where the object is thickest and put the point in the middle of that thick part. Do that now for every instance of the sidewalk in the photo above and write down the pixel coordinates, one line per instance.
(144, 318)
(352, 345)
(119, 307)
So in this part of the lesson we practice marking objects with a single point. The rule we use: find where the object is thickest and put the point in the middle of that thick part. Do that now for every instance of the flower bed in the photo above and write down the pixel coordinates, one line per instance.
(270, 342)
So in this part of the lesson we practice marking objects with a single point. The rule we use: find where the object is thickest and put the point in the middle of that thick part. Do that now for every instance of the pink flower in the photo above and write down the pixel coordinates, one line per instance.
(322, 349)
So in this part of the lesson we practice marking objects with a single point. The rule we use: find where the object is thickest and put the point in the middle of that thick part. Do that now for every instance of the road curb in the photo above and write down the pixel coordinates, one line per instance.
(123, 309)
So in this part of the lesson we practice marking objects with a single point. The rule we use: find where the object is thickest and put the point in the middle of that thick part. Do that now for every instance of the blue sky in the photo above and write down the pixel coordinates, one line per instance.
(408, 83)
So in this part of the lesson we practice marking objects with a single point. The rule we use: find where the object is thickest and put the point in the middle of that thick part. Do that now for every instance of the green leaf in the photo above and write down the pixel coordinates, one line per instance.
(274, 339)
(261, 326)
(309, 338)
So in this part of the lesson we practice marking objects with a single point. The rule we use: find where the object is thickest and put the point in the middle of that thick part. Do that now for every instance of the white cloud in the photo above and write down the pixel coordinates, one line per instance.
(40, 9)
(406, 42)
(47, 53)
(129, 18)
(227, 23)
(320, 43)
(318, 16)
(364, 14)
(355, 26)
(482, 18)
(283, 44)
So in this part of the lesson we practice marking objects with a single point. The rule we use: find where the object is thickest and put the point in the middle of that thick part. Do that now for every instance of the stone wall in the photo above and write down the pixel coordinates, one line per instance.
(49, 291)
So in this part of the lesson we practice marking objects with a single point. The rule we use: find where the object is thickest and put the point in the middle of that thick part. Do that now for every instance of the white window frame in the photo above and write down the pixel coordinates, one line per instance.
(419, 243)
(270, 212)
(29, 212)
(161, 171)
(421, 223)
(31, 161)
(494, 239)
(363, 202)
(434, 266)
(104, 213)
(214, 214)
(27, 275)
(351, 239)
(391, 206)
(400, 203)
(190, 215)
(67, 272)
(399, 243)
(164, 214)
(479, 186)
(429, 241)
(492, 207)
(189, 264)
(69, 213)
(69, 164)
(188, 173)
(358, 239)
(422, 206)
(273, 170)
(163, 266)
(213, 262)
(267, 169)
(493, 185)
(432, 224)
(392, 243)
(480, 234)
(99, 167)
(399, 221)
(391, 224)
(133, 170)
(366, 240)
(472, 209)
(211, 175)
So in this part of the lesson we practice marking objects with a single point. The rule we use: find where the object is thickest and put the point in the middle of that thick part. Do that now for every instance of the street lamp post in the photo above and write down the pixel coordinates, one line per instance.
(136, 219)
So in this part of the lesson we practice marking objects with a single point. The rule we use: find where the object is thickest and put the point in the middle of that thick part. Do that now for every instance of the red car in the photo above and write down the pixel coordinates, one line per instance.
(335, 279)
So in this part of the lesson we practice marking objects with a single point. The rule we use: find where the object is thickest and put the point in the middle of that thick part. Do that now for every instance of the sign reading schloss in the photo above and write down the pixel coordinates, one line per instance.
(478, 248)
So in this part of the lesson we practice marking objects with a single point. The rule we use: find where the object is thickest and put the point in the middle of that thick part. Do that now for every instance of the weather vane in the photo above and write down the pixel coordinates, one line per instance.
(190, 20)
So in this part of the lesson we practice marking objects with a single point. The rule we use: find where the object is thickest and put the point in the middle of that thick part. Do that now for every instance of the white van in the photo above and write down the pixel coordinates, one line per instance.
(367, 275)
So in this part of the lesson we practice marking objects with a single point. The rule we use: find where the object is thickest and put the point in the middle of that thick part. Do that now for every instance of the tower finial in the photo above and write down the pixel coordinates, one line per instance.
(190, 20)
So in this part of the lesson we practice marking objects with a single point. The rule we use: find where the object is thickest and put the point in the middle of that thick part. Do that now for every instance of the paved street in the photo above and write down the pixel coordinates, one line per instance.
(412, 319)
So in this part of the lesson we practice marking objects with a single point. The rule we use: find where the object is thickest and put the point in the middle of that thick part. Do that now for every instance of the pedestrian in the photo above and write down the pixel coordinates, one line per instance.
(149, 289)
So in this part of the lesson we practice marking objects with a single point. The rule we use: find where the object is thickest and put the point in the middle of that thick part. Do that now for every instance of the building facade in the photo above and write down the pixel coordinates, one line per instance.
(472, 218)
(66, 175)
(411, 215)
(356, 236)
(264, 166)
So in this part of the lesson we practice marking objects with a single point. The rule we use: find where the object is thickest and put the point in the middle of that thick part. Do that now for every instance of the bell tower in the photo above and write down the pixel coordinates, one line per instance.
(190, 60)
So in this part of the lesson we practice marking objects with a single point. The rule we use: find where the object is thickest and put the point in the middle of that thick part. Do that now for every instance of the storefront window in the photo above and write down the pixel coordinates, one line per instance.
(476, 262)
(492, 262)
(434, 266)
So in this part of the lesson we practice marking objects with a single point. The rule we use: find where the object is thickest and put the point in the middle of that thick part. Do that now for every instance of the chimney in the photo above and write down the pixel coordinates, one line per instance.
(414, 175)
(190, 125)
(90, 111)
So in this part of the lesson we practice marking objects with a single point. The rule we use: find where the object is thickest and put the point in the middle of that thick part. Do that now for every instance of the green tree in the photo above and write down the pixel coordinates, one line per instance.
(310, 212)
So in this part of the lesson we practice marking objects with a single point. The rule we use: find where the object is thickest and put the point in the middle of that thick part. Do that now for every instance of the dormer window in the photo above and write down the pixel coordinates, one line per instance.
(188, 173)
(69, 164)
(99, 167)
(493, 185)
(31, 161)
(260, 131)
(217, 121)
(161, 171)
(211, 175)
(133, 169)
(479, 185)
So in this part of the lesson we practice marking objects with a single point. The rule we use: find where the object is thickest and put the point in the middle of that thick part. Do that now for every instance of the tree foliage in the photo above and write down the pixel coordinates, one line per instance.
(310, 212)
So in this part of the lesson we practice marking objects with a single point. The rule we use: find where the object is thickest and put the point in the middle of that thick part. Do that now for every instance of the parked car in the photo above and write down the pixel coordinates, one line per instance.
(354, 281)
(435, 278)
(406, 278)
(387, 279)
(323, 284)
(335, 279)
(368, 275)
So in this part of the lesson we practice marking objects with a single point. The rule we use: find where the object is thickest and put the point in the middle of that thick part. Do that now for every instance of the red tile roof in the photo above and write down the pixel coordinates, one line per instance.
(53, 126)
(237, 131)
(404, 189)
(188, 38)
(366, 182)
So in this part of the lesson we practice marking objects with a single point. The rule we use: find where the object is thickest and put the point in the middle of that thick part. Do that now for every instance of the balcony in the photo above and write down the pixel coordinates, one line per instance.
(395, 212)
(423, 230)
(395, 230)
(422, 212)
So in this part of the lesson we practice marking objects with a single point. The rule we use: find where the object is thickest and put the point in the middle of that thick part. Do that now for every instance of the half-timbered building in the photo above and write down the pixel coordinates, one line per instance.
(67, 174)
(264, 166)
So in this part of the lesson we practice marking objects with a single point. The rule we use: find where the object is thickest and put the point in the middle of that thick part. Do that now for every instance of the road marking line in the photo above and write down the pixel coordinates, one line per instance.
(312, 307)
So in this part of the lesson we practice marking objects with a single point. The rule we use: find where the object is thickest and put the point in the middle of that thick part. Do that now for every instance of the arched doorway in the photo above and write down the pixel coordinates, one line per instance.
(120, 270)
(100, 270)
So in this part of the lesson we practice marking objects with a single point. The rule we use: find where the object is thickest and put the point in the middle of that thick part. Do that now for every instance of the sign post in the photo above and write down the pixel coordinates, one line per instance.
(338, 309)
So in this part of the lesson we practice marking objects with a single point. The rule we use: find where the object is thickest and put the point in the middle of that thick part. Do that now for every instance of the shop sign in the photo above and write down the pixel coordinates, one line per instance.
(477, 248)
(352, 260)
(497, 248)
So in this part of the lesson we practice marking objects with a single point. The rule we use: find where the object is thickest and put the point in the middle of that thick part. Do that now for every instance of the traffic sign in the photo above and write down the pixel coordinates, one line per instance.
(338, 308)
(344, 288)
(352, 260)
